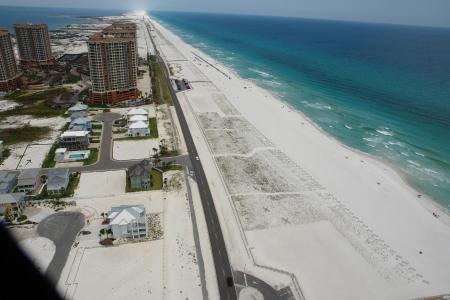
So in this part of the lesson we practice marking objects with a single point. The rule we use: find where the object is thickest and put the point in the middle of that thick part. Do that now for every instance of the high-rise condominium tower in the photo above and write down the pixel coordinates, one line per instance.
(8, 69)
(33, 42)
(113, 64)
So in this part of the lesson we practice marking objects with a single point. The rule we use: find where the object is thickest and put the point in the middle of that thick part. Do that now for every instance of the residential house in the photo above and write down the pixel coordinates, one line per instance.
(79, 110)
(136, 112)
(139, 128)
(8, 181)
(80, 124)
(58, 181)
(13, 204)
(29, 180)
(139, 175)
(128, 221)
(74, 140)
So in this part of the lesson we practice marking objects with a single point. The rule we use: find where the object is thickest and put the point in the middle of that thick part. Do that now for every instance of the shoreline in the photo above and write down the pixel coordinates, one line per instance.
(426, 200)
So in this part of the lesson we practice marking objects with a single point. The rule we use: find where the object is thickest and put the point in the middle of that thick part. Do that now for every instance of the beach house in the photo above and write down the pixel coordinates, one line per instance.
(128, 221)
(80, 124)
(137, 112)
(29, 180)
(74, 140)
(8, 181)
(58, 181)
(13, 204)
(79, 110)
(137, 129)
(139, 175)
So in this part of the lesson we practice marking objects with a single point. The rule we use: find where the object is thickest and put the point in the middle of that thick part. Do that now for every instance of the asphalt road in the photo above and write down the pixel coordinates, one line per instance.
(219, 251)
(61, 228)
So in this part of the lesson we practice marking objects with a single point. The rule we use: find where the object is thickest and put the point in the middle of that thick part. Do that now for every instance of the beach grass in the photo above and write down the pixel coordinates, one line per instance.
(160, 88)
(24, 134)
(34, 104)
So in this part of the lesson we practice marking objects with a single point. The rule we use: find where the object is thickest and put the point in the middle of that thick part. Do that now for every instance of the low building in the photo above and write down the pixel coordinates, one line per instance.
(80, 124)
(79, 110)
(58, 181)
(29, 180)
(128, 221)
(8, 181)
(139, 128)
(13, 204)
(137, 112)
(74, 140)
(63, 155)
(139, 175)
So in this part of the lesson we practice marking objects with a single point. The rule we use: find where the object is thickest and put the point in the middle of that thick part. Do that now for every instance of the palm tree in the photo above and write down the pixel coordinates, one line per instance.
(102, 232)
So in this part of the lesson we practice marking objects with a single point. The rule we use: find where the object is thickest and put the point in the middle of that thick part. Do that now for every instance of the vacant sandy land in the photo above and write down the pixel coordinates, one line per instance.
(97, 184)
(134, 149)
(39, 250)
(129, 271)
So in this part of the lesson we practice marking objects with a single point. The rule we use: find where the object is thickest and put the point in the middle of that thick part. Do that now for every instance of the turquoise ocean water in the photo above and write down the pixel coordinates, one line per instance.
(381, 89)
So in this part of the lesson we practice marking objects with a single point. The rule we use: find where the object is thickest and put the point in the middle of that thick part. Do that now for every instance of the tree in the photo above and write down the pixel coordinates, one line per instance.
(108, 232)
(102, 232)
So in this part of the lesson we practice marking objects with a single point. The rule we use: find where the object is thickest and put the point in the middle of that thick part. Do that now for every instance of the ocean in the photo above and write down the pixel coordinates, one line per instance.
(55, 18)
(380, 89)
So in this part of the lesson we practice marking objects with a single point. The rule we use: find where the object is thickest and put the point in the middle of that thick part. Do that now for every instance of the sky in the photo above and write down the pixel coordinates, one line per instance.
(410, 12)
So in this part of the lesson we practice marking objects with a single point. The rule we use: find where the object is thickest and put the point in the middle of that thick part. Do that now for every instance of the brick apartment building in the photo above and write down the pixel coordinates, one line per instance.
(9, 75)
(33, 42)
(113, 64)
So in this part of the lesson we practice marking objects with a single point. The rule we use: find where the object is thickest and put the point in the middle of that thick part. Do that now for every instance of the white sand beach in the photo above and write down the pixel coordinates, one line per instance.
(292, 200)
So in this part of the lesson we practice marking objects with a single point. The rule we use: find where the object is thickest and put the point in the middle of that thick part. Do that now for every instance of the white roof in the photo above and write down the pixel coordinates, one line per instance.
(138, 124)
(61, 150)
(137, 111)
(74, 133)
(78, 107)
(125, 216)
(135, 118)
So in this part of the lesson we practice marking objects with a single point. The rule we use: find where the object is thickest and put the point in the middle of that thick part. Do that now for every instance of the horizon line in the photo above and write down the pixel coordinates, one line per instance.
(239, 14)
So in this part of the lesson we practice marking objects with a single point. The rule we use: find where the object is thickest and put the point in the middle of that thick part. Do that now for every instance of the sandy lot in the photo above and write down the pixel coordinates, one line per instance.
(40, 251)
(98, 184)
(131, 271)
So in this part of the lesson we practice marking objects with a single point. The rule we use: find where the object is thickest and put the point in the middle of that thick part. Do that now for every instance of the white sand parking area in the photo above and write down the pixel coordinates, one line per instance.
(97, 184)
(131, 271)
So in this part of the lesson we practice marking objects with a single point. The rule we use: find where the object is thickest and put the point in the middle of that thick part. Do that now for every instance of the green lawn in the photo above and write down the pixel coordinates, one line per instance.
(97, 126)
(96, 133)
(93, 157)
(49, 161)
(153, 126)
(23, 134)
(156, 180)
